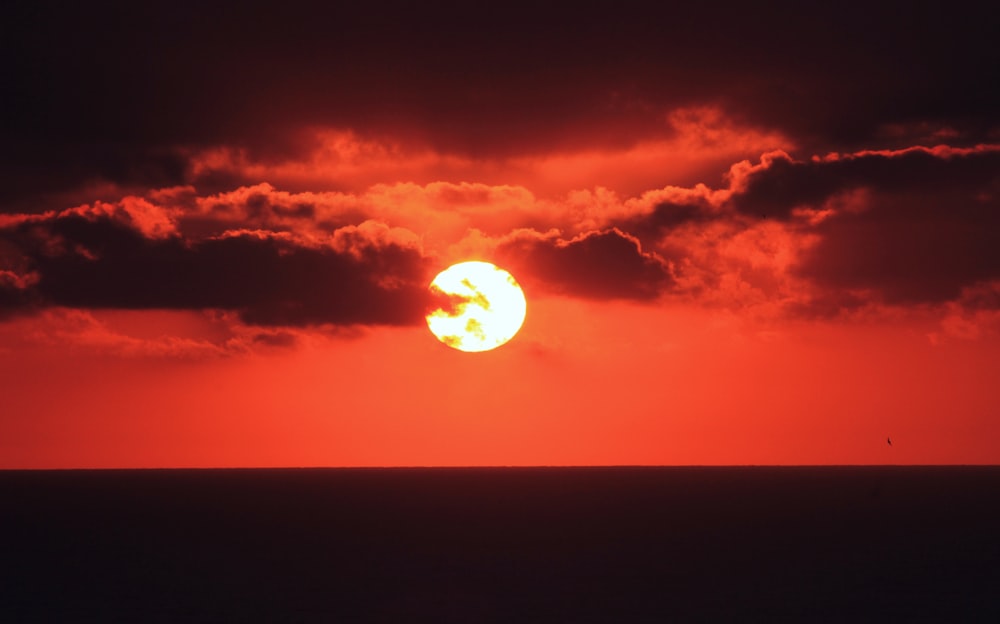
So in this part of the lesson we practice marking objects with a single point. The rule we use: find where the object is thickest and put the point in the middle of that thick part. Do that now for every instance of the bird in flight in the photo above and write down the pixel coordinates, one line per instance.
(889, 440)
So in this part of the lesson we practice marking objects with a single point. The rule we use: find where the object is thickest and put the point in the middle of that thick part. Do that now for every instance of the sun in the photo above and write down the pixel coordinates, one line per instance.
(485, 306)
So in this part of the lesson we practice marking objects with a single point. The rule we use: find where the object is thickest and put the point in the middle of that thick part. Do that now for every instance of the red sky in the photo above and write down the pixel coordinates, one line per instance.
(745, 236)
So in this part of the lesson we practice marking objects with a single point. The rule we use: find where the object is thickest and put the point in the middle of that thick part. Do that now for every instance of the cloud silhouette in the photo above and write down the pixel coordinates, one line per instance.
(907, 226)
(607, 264)
(101, 261)
(911, 226)
(779, 184)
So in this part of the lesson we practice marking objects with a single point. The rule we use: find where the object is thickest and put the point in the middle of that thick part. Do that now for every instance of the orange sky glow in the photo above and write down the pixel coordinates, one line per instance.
(748, 266)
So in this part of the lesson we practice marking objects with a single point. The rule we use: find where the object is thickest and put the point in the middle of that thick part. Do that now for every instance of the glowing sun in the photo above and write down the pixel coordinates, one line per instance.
(485, 306)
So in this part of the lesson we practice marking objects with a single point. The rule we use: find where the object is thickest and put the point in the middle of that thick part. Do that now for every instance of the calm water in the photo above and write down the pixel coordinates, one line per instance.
(872, 544)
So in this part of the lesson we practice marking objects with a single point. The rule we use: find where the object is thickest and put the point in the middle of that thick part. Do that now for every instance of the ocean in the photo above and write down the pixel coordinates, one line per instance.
(627, 544)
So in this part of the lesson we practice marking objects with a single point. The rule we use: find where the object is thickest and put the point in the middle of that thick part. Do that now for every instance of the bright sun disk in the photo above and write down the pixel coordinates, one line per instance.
(486, 306)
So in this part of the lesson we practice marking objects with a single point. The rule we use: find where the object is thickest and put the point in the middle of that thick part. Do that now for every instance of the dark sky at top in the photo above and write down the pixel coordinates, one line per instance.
(117, 91)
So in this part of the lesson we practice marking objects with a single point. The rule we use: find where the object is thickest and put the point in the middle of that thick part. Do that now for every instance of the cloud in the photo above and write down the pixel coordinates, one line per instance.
(11, 297)
(172, 334)
(606, 264)
(907, 248)
(680, 146)
(365, 275)
(780, 183)
(974, 315)
(833, 233)
(820, 236)
(68, 329)
(906, 226)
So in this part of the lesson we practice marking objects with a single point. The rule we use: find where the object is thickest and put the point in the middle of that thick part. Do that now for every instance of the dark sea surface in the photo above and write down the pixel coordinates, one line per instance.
(751, 544)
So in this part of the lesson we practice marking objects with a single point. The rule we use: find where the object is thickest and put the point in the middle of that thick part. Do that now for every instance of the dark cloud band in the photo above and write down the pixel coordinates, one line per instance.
(101, 262)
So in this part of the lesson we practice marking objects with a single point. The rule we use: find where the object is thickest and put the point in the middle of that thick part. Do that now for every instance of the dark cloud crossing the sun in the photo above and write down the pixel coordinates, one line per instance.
(832, 232)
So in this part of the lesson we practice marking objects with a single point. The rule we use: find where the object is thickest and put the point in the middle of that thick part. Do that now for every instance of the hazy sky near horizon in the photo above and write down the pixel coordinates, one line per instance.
(746, 235)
